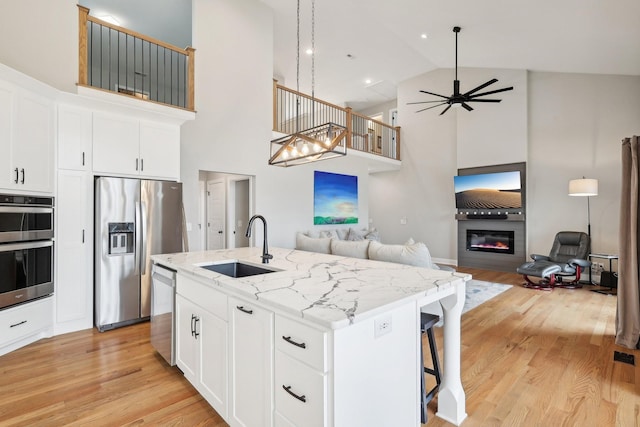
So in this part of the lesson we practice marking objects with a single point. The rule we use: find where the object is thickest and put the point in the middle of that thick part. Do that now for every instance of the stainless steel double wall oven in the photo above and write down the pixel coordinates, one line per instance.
(26, 248)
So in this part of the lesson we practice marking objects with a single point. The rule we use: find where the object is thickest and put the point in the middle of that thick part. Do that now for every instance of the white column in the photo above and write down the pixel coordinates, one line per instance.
(451, 397)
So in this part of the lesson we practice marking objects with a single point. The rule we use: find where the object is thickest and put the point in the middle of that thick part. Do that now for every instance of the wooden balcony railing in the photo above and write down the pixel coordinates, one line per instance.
(119, 60)
(294, 111)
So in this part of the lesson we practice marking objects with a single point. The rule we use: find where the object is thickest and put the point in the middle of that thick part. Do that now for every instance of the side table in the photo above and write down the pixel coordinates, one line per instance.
(609, 291)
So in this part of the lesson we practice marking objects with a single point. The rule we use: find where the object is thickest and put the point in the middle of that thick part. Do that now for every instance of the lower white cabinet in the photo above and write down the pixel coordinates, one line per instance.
(251, 364)
(25, 323)
(201, 342)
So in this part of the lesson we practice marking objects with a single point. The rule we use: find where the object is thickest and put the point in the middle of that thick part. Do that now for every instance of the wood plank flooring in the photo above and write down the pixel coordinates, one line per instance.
(529, 358)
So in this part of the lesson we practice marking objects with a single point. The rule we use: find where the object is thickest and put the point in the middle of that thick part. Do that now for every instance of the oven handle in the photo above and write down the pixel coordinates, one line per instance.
(28, 245)
(24, 209)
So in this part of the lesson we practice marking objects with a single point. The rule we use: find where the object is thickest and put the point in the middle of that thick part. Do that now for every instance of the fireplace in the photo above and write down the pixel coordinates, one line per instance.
(496, 241)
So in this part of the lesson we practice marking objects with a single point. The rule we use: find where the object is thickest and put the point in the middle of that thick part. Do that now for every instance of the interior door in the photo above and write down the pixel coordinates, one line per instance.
(215, 215)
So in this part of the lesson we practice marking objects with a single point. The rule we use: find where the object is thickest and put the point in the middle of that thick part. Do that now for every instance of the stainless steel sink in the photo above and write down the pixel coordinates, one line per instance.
(236, 269)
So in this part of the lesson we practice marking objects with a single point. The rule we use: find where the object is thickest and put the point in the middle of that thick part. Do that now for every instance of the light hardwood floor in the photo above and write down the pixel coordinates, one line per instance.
(529, 358)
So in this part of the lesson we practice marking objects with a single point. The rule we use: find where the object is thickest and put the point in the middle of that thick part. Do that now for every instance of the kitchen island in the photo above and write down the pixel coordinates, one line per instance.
(322, 340)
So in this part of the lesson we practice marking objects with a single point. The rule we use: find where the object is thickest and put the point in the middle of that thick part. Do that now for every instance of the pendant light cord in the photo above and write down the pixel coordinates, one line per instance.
(313, 63)
(298, 69)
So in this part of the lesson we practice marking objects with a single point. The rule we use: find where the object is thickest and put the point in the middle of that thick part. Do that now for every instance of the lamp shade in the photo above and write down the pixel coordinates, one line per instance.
(583, 187)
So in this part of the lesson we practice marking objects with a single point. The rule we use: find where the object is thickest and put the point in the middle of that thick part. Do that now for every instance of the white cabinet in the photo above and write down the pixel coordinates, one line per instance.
(201, 340)
(25, 323)
(160, 150)
(251, 364)
(26, 140)
(74, 138)
(301, 382)
(126, 146)
(74, 284)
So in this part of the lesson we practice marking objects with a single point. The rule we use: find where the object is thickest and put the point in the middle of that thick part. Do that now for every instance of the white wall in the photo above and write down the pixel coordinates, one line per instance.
(577, 122)
(232, 129)
(40, 39)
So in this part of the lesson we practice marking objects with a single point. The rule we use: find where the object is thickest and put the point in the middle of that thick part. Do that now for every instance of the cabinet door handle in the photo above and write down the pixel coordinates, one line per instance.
(136, 164)
(16, 180)
(297, 344)
(18, 324)
(22, 171)
(83, 158)
(83, 236)
(193, 327)
(244, 310)
(287, 388)
(141, 165)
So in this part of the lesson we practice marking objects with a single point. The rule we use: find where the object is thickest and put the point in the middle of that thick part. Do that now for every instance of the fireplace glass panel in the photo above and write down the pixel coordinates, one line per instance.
(497, 241)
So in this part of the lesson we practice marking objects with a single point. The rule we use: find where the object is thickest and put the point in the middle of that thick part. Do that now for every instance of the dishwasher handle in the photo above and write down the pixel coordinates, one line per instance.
(163, 279)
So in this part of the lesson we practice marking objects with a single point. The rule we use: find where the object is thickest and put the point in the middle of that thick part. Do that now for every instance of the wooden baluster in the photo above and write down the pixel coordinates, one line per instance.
(191, 81)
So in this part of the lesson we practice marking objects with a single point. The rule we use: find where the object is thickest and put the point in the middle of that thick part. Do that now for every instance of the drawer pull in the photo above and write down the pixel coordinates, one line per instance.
(18, 324)
(297, 344)
(302, 398)
(244, 310)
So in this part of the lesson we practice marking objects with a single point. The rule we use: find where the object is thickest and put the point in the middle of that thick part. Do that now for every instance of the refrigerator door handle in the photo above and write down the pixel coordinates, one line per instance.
(143, 238)
(138, 235)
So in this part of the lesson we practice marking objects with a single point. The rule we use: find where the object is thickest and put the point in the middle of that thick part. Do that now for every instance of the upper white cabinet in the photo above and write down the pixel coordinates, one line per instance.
(74, 138)
(26, 140)
(126, 146)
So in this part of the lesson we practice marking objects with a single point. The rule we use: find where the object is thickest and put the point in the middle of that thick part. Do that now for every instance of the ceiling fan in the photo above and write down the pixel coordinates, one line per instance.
(461, 98)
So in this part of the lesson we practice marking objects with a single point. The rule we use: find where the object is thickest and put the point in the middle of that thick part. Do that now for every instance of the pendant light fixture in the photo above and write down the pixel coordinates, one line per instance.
(320, 142)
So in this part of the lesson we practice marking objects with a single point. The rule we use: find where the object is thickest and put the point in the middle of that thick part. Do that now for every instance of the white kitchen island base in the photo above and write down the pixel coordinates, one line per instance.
(338, 342)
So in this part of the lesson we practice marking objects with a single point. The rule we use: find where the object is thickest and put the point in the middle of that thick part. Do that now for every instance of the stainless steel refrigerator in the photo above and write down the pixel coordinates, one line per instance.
(134, 219)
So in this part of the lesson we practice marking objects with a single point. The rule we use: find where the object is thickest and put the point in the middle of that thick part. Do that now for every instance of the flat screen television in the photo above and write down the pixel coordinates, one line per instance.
(499, 190)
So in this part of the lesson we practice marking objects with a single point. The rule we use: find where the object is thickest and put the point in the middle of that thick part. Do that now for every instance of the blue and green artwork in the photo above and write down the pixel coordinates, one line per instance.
(335, 198)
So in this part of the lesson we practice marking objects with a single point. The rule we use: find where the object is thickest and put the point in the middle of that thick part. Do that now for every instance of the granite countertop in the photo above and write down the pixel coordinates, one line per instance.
(331, 291)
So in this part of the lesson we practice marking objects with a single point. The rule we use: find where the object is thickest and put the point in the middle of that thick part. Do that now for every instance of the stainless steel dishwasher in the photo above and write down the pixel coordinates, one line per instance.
(163, 303)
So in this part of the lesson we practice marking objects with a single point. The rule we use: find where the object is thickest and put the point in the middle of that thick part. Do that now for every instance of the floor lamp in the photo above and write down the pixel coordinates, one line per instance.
(585, 188)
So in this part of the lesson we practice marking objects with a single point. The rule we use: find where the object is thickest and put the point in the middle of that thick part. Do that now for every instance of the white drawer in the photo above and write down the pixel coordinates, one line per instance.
(305, 343)
(309, 408)
(25, 319)
(205, 296)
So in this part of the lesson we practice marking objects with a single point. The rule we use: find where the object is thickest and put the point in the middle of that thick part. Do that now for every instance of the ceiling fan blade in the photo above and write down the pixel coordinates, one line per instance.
(482, 86)
(467, 107)
(483, 100)
(445, 110)
(491, 92)
(431, 93)
(424, 102)
(434, 106)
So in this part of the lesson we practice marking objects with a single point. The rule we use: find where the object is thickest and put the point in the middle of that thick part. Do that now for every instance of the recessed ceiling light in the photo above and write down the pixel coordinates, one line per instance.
(309, 51)
(368, 81)
(423, 35)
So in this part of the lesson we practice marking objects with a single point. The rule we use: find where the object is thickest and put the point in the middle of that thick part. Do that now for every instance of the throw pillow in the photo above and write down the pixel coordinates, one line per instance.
(305, 243)
(355, 235)
(342, 233)
(372, 235)
(329, 233)
(416, 254)
(350, 248)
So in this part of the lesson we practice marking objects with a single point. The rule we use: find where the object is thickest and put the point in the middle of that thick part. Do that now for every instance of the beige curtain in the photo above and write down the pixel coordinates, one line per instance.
(628, 315)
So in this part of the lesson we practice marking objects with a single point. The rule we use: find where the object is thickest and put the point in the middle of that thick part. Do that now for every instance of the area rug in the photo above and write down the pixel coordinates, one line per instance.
(477, 292)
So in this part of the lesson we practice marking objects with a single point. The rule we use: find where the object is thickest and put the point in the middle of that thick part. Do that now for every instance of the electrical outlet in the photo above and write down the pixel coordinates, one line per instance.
(382, 326)
(403, 220)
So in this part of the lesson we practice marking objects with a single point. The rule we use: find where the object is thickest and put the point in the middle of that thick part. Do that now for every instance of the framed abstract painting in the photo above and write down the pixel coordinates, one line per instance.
(335, 198)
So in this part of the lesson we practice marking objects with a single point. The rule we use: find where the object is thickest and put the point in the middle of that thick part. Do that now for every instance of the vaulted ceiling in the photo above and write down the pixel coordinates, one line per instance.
(380, 40)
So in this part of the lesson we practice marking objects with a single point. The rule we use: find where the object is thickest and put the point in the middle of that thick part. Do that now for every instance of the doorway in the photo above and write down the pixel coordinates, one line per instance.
(226, 202)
